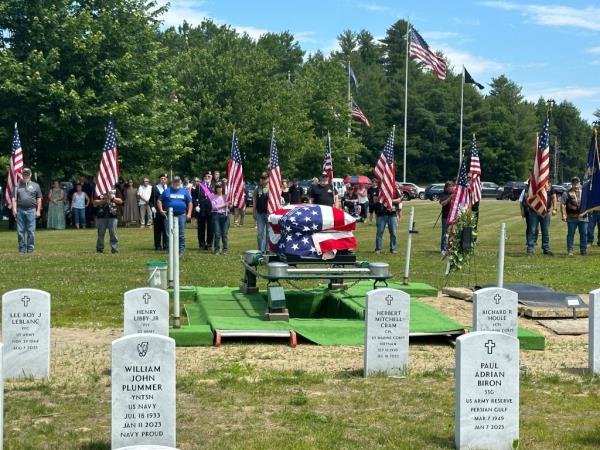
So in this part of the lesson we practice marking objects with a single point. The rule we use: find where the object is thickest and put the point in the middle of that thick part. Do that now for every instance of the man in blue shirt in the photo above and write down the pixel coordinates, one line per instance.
(178, 198)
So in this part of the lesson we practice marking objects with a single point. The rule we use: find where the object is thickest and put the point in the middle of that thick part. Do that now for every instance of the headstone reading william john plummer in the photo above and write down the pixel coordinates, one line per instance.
(487, 391)
(146, 310)
(387, 318)
(495, 309)
(594, 332)
(26, 333)
(143, 390)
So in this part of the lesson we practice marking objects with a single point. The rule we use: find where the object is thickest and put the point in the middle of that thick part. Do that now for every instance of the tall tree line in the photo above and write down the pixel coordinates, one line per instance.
(178, 93)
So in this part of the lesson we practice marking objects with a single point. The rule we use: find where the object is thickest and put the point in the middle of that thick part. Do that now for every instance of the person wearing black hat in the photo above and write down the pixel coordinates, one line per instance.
(160, 229)
(26, 208)
(201, 197)
(571, 209)
(323, 193)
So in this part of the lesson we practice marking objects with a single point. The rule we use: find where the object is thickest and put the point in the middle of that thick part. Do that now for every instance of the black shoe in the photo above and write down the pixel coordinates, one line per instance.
(99, 250)
(114, 250)
(548, 252)
(156, 249)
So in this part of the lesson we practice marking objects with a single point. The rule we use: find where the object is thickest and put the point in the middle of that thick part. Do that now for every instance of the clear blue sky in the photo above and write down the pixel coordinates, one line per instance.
(551, 50)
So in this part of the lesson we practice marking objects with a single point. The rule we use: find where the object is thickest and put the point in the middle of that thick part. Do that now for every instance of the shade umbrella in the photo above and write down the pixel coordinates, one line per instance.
(356, 179)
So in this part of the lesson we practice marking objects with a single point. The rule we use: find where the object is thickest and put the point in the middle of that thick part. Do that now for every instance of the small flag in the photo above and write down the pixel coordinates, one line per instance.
(15, 168)
(590, 192)
(235, 174)
(274, 178)
(352, 76)
(536, 196)
(385, 171)
(356, 112)
(475, 172)
(109, 163)
(421, 52)
(461, 198)
(470, 80)
(328, 163)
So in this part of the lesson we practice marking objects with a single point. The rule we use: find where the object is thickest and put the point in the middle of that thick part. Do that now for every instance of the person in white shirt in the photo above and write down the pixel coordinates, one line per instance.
(143, 195)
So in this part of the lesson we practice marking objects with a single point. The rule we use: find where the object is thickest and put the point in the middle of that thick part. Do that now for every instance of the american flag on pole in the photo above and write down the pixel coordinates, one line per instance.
(15, 168)
(385, 171)
(461, 199)
(536, 196)
(109, 164)
(357, 112)
(274, 178)
(235, 173)
(475, 172)
(421, 52)
(328, 163)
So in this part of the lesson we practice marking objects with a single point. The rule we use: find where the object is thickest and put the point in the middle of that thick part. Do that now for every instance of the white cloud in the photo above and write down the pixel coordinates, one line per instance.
(439, 35)
(306, 37)
(569, 93)
(553, 15)
(476, 65)
(594, 50)
(374, 7)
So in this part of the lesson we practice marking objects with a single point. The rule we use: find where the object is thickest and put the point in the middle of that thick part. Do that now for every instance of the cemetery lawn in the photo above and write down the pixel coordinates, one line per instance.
(87, 288)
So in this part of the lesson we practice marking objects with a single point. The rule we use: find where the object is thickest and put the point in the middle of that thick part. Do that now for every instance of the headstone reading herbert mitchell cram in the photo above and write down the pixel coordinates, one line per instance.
(495, 309)
(26, 333)
(143, 390)
(146, 310)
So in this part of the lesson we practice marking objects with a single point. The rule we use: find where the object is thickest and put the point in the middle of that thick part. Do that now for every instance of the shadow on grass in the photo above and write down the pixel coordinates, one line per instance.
(441, 441)
(589, 438)
(358, 373)
(581, 371)
(95, 446)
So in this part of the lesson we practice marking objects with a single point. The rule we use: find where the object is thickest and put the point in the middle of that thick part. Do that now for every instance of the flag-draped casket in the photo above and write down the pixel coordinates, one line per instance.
(313, 231)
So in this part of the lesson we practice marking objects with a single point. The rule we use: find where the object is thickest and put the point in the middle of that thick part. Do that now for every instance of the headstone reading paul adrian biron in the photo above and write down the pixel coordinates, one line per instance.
(594, 332)
(487, 391)
(495, 309)
(143, 390)
(387, 317)
(146, 310)
(26, 333)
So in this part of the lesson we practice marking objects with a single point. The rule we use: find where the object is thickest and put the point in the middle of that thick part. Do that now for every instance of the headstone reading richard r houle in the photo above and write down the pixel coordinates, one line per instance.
(487, 391)
(496, 309)
(594, 332)
(146, 310)
(26, 333)
(143, 390)
(387, 318)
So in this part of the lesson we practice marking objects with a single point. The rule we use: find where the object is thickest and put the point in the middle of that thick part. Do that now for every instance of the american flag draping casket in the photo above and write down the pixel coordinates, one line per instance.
(311, 231)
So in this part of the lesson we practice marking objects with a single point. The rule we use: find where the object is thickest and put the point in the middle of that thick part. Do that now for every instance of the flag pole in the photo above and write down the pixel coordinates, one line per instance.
(405, 99)
(462, 98)
(349, 103)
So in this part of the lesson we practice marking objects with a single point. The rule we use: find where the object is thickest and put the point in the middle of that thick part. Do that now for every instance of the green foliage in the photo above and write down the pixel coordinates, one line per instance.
(458, 256)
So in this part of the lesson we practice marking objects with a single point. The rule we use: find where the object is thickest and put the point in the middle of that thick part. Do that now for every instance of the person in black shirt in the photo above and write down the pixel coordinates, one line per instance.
(107, 218)
(387, 217)
(203, 207)
(260, 211)
(323, 193)
(295, 193)
(285, 192)
(371, 195)
(159, 223)
(445, 199)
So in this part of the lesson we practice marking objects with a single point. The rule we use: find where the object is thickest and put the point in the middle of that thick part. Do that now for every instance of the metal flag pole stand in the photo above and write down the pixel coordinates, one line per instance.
(170, 229)
(411, 231)
(500, 276)
(175, 245)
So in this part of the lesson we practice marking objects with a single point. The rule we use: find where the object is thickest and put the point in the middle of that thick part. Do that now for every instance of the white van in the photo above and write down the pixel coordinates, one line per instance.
(339, 186)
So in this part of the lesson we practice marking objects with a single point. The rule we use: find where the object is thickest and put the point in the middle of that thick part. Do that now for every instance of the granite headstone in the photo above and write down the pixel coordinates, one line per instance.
(146, 310)
(387, 319)
(594, 332)
(487, 391)
(26, 333)
(496, 309)
(143, 390)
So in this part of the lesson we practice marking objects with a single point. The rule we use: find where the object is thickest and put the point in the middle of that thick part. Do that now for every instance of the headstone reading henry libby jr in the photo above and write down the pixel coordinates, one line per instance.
(146, 310)
(594, 332)
(495, 309)
(26, 333)
(143, 390)
(487, 391)
(387, 318)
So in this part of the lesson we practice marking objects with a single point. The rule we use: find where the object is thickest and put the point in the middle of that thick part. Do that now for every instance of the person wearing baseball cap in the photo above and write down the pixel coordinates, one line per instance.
(571, 213)
(179, 199)
(160, 230)
(26, 208)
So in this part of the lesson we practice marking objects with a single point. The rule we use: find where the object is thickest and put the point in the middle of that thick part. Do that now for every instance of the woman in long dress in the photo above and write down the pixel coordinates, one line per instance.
(131, 214)
(56, 207)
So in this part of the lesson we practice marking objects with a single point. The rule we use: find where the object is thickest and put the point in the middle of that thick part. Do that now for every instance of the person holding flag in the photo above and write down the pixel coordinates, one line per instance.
(590, 193)
(575, 217)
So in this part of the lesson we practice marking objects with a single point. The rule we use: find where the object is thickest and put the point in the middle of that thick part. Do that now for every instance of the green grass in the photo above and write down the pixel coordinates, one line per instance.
(87, 288)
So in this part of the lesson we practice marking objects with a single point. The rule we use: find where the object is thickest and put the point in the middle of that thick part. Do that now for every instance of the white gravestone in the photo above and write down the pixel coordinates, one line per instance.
(487, 391)
(26, 333)
(496, 309)
(387, 318)
(146, 310)
(1, 400)
(594, 332)
(143, 390)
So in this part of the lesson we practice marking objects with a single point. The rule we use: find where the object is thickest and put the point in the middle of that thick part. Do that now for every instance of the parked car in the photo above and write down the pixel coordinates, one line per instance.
(490, 190)
(419, 190)
(250, 188)
(433, 191)
(407, 191)
(339, 186)
(305, 185)
(566, 185)
(511, 191)
(560, 189)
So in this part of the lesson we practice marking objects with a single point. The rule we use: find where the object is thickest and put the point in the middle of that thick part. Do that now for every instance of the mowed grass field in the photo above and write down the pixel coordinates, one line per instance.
(87, 288)
(258, 395)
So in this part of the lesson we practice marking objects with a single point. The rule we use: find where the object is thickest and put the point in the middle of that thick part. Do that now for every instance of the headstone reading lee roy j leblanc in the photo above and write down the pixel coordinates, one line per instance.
(26, 333)
(146, 310)
(143, 390)
(487, 391)
(387, 318)
(594, 332)
(495, 309)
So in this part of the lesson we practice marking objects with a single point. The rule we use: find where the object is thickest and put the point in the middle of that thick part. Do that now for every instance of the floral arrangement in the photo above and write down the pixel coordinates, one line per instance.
(461, 240)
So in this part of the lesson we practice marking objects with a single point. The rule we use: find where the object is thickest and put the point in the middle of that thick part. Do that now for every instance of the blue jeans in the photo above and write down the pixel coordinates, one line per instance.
(78, 217)
(391, 221)
(26, 225)
(181, 219)
(544, 224)
(444, 240)
(220, 227)
(573, 225)
(261, 238)
(594, 220)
